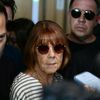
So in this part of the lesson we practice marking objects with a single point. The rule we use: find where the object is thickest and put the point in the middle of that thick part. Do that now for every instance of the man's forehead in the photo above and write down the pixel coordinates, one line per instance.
(85, 5)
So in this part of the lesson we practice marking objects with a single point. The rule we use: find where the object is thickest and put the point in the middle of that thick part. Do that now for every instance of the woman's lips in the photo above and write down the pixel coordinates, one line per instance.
(51, 63)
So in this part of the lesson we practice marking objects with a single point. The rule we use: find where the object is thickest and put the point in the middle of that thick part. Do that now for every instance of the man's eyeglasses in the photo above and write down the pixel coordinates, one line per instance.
(88, 14)
(44, 49)
(2, 36)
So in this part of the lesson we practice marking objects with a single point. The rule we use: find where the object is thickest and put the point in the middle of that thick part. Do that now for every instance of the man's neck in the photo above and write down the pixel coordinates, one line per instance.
(83, 40)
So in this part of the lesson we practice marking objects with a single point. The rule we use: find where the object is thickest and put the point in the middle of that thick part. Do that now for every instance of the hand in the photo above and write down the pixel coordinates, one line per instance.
(89, 89)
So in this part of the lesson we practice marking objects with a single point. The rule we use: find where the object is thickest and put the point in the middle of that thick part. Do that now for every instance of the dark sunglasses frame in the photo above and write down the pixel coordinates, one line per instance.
(44, 49)
(2, 36)
(88, 14)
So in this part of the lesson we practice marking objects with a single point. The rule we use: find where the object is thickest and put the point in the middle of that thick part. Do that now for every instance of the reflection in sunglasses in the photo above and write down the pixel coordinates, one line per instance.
(88, 14)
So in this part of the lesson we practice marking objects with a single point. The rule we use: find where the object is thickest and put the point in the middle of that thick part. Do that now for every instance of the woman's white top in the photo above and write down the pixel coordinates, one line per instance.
(26, 87)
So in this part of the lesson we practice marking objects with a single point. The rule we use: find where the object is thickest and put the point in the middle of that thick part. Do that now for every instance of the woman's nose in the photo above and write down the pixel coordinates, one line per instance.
(51, 52)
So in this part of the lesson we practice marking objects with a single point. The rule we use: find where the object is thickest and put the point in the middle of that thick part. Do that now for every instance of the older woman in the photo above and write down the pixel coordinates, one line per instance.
(46, 52)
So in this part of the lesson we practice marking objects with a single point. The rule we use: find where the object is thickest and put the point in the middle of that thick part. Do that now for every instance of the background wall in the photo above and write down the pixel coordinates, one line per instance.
(56, 10)
(24, 9)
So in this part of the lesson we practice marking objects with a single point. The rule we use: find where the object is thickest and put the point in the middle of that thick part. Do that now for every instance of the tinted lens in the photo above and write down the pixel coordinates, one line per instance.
(76, 13)
(89, 15)
(59, 48)
(43, 49)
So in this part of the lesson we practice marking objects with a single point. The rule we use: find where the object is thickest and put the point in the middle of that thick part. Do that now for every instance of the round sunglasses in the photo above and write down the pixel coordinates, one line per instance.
(88, 14)
(44, 49)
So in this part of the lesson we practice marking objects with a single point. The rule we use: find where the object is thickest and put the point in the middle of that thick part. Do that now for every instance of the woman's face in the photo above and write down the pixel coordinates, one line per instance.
(49, 61)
